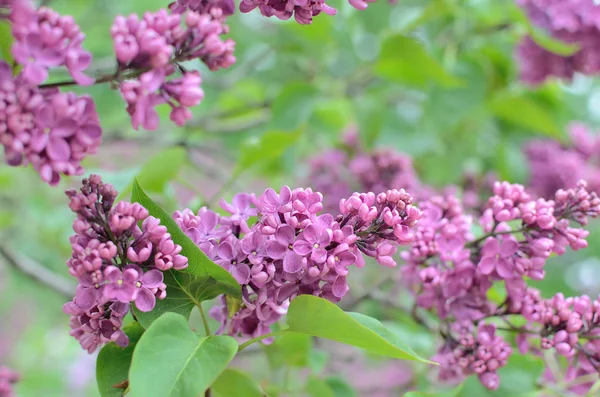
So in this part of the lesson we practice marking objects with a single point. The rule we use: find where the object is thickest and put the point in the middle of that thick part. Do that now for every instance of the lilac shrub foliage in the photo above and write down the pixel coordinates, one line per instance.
(572, 21)
(294, 249)
(119, 254)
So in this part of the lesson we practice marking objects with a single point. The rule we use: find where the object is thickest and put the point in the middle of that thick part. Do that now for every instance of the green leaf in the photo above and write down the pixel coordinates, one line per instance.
(316, 387)
(201, 280)
(404, 60)
(234, 383)
(525, 113)
(318, 317)
(294, 105)
(6, 40)
(268, 147)
(340, 387)
(447, 393)
(112, 364)
(172, 361)
(292, 349)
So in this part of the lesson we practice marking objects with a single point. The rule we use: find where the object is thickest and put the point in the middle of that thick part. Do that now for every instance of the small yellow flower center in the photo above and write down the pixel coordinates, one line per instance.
(290, 246)
(316, 245)
(337, 258)
(138, 284)
(254, 253)
(96, 285)
(120, 282)
(234, 262)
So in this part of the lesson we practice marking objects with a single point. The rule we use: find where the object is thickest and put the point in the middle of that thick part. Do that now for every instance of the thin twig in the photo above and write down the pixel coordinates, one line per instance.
(38, 272)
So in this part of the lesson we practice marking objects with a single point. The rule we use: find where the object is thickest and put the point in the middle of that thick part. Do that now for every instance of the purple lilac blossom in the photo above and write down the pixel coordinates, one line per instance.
(571, 21)
(8, 378)
(154, 44)
(294, 249)
(116, 261)
(554, 165)
(52, 131)
(44, 40)
(451, 272)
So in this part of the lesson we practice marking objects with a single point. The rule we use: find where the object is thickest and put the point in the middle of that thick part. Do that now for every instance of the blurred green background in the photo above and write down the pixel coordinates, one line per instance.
(436, 79)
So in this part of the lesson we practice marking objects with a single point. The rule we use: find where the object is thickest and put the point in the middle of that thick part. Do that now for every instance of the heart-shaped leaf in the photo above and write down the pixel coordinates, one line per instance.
(318, 317)
(112, 364)
(170, 360)
(202, 280)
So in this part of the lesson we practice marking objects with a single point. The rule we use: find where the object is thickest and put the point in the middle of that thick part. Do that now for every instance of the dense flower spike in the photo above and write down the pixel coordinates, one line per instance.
(52, 131)
(115, 261)
(292, 249)
(154, 44)
(451, 271)
(43, 40)
(554, 166)
(8, 378)
(572, 21)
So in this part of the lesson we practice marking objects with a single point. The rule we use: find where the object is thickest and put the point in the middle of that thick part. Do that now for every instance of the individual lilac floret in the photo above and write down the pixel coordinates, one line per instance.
(116, 261)
(293, 249)
(154, 44)
(43, 40)
(571, 21)
(52, 131)
(8, 378)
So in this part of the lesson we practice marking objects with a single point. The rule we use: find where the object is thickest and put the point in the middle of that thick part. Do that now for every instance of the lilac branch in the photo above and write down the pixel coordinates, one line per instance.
(38, 272)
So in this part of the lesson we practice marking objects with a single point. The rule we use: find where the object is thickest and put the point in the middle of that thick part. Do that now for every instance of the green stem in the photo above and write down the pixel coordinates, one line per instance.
(204, 319)
(259, 338)
(474, 243)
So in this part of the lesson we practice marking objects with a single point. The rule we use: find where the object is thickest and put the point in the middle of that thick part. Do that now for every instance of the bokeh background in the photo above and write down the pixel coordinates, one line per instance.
(435, 79)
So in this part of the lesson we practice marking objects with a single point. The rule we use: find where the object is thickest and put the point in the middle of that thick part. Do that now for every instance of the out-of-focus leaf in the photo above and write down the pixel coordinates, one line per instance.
(170, 360)
(161, 169)
(291, 349)
(268, 147)
(293, 106)
(317, 360)
(6, 40)
(404, 60)
(340, 387)
(316, 387)
(318, 317)
(112, 364)
(201, 280)
(234, 383)
(522, 111)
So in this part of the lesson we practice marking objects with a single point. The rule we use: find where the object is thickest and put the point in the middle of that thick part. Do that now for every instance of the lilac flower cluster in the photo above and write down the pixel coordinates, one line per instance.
(450, 271)
(571, 21)
(52, 131)
(339, 172)
(154, 43)
(8, 378)
(203, 6)
(554, 165)
(293, 250)
(116, 261)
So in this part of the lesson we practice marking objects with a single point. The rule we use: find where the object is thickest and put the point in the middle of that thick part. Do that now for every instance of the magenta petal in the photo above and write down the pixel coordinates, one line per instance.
(311, 233)
(121, 339)
(319, 255)
(491, 247)
(508, 248)
(85, 298)
(276, 250)
(303, 247)
(292, 263)
(112, 273)
(505, 269)
(145, 300)
(34, 73)
(285, 235)
(64, 128)
(152, 279)
(487, 265)
(241, 272)
(89, 133)
(340, 287)
(58, 149)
